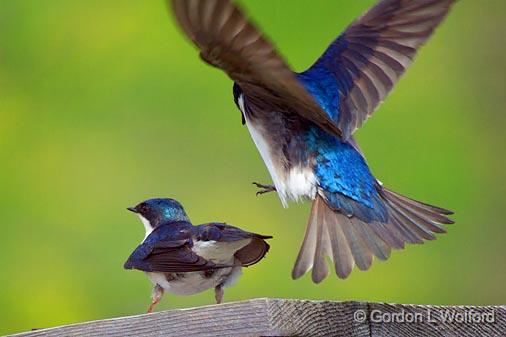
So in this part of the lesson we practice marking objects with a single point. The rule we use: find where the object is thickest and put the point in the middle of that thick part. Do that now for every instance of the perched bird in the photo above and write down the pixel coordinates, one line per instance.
(184, 259)
(303, 123)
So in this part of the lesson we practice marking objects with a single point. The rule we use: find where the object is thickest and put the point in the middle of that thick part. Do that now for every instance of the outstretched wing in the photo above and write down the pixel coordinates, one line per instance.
(160, 252)
(227, 40)
(366, 61)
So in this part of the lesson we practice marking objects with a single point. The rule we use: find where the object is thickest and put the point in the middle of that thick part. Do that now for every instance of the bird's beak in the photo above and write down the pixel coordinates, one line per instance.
(132, 209)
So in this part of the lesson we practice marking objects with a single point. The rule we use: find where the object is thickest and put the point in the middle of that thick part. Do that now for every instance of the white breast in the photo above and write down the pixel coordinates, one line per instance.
(292, 184)
(147, 226)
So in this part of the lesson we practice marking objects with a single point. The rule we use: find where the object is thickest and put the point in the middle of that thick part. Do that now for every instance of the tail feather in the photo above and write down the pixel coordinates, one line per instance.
(304, 261)
(430, 214)
(418, 230)
(349, 240)
(405, 231)
(424, 220)
(424, 223)
(322, 249)
(430, 209)
(377, 246)
(387, 233)
(359, 250)
(341, 253)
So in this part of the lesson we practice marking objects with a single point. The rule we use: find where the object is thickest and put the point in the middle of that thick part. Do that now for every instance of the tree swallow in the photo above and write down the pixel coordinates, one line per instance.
(303, 123)
(184, 259)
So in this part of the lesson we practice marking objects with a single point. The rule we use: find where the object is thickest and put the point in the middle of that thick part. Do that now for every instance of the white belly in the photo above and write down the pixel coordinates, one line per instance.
(221, 253)
(291, 184)
(194, 282)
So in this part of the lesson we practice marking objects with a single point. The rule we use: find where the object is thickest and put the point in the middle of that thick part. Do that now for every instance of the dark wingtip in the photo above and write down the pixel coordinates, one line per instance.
(441, 210)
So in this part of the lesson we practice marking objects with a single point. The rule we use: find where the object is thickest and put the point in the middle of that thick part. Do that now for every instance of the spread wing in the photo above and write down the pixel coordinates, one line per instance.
(160, 252)
(227, 40)
(370, 56)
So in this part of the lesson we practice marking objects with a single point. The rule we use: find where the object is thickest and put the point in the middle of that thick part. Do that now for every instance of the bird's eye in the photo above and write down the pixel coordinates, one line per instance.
(144, 208)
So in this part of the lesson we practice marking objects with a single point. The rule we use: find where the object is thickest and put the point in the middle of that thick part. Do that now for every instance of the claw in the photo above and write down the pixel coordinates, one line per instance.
(264, 188)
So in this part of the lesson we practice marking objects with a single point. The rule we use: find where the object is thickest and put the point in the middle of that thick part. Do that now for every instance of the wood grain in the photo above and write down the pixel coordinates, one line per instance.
(282, 317)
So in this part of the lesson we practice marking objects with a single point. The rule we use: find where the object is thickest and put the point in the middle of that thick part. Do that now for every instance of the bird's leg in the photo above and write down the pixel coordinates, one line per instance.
(218, 293)
(264, 188)
(156, 296)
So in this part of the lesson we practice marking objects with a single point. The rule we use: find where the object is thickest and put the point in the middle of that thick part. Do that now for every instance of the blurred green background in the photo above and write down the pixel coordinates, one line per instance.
(104, 104)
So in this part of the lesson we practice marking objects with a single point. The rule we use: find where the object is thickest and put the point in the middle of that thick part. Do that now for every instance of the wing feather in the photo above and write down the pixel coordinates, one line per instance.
(228, 40)
(167, 259)
(373, 53)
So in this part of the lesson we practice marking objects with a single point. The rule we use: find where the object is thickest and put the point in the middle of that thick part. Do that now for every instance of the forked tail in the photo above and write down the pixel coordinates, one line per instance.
(349, 240)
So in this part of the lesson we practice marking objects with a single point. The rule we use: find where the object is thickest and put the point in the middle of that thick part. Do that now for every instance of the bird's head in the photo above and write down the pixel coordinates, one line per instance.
(153, 212)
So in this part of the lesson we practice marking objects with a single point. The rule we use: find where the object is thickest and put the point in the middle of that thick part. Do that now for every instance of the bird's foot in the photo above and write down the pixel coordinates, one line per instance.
(152, 307)
(264, 188)
(218, 293)
(156, 296)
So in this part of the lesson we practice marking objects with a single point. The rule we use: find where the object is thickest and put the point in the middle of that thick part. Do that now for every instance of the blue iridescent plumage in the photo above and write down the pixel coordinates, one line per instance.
(342, 173)
(341, 170)
(303, 124)
(166, 236)
(324, 88)
(170, 232)
(185, 259)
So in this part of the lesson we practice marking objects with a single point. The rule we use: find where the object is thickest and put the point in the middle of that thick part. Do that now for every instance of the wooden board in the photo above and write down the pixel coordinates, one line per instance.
(282, 317)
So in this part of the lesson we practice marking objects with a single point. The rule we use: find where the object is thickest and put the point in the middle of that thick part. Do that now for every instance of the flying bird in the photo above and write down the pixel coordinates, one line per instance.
(184, 259)
(303, 123)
